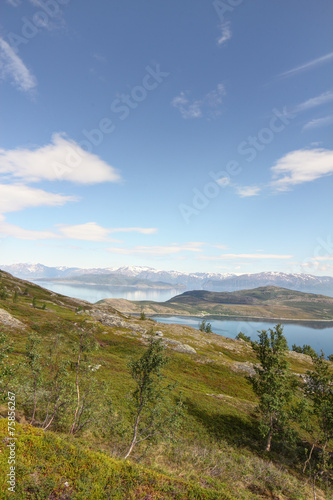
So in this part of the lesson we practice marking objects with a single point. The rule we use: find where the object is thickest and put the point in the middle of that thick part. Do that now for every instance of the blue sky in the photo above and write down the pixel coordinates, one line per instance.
(192, 135)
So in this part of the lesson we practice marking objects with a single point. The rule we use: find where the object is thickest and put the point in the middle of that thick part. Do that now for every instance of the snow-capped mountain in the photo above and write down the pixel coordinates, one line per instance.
(191, 281)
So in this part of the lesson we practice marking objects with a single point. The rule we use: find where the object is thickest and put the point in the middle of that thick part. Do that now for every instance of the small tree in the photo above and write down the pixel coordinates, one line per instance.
(318, 420)
(34, 364)
(205, 327)
(272, 382)
(84, 344)
(242, 336)
(152, 412)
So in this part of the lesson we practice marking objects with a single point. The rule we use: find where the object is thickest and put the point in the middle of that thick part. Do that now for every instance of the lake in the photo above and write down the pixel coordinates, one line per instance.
(94, 293)
(295, 333)
(299, 334)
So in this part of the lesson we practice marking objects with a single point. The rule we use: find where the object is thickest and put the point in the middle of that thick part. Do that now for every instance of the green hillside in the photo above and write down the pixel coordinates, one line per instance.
(215, 452)
(268, 302)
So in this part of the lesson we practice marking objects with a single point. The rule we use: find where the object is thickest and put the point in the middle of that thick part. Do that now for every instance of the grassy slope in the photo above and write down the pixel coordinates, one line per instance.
(218, 448)
(264, 302)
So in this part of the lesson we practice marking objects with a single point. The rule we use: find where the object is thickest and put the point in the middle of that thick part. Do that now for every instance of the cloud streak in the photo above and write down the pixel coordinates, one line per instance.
(12, 68)
(91, 231)
(158, 250)
(307, 66)
(319, 100)
(318, 122)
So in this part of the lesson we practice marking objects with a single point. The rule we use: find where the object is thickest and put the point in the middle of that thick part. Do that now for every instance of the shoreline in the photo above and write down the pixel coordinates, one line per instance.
(328, 322)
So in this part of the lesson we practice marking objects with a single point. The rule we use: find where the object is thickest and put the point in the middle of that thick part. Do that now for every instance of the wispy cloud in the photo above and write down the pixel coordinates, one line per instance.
(15, 197)
(12, 68)
(323, 98)
(91, 231)
(247, 191)
(14, 231)
(14, 3)
(307, 66)
(319, 122)
(225, 33)
(158, 250)
(210, 104)
(62, 159)
(301, 166)
(241, 256)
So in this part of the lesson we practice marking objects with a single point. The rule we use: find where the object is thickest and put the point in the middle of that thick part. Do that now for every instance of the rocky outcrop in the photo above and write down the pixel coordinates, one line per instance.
(175, 345)
(7, 319)
(114, 320)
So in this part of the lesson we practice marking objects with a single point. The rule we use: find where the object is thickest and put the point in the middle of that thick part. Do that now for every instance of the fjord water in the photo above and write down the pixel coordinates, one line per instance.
(94, 293)
(319, 336)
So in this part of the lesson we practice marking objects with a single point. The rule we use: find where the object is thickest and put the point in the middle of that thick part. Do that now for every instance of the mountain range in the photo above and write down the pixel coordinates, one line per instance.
(191, 281)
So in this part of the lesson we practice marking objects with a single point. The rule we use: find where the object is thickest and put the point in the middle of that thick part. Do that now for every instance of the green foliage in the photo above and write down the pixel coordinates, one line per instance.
(242, 336)
(306, 349)
(319, 390)
(3, 293)
(34, 302)
(153, 412)
(205, 327)
(15, 297)
(272, 382)
(143, 317)
(330, 357)
(51, 467)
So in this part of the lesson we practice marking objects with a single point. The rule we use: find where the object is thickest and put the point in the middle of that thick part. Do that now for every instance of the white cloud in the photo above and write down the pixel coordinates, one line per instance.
(158, 250)
(7, 229)
(141, 230)
(318, 122)
(225, 33)
(210, 103)
(14, 3)
(324, 257)
(13, 68)
(187, 109)
(90, 231)
(301, 166)
(247, 191)
(17, 197)
(307, 66)
(235, 256)
(62, 159)
(323, 98)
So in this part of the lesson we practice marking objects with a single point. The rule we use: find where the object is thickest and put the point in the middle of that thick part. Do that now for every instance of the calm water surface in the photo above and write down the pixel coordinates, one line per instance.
(318, 338)
(94, 293)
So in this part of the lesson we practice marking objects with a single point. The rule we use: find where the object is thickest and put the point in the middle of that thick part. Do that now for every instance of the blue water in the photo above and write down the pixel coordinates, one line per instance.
(94, 293)
(318, 338)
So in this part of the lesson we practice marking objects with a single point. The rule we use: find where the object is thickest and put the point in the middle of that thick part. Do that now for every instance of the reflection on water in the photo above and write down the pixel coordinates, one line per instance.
(295, 333)
(94, 293)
